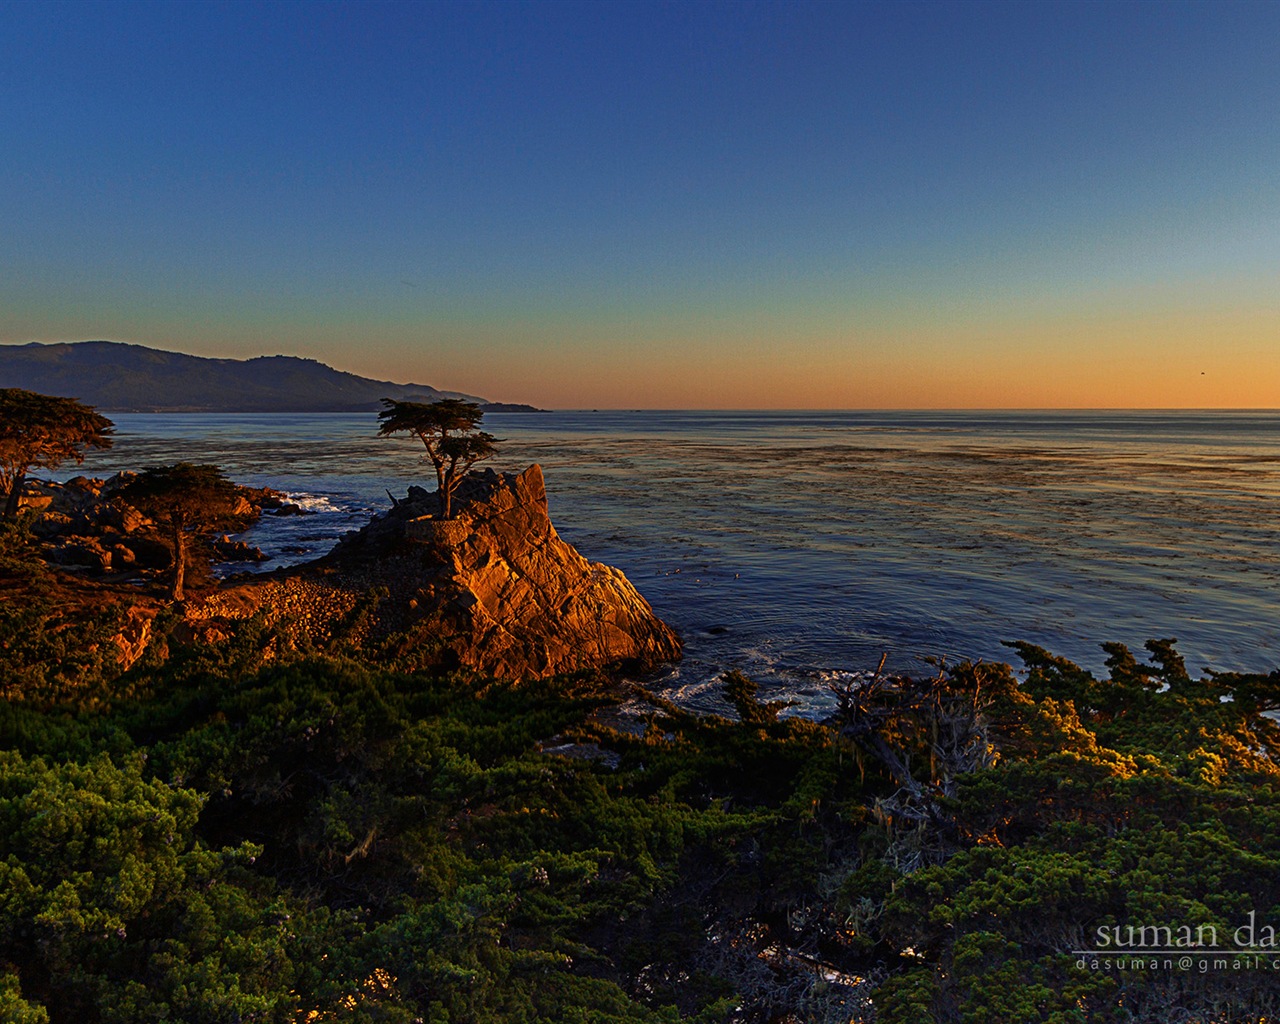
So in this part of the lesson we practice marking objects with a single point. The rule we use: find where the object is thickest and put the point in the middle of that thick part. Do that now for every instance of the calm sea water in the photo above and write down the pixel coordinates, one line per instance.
(801, 546)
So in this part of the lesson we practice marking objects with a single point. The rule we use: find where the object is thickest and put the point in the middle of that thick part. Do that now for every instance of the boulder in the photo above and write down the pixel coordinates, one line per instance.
(148, 552)
(122, 557)
(117, 516)
(87, 552)
(52, 524)
(88, 485)
(288, 508)
(134, 635)
(266, 499)
(75, 496)
(228, 550)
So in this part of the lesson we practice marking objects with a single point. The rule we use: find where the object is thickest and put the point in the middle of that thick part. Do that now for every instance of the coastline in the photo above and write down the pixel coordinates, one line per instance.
(801, 546)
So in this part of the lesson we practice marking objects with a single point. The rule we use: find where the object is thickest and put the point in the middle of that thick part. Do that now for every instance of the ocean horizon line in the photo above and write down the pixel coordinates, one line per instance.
(685, 410)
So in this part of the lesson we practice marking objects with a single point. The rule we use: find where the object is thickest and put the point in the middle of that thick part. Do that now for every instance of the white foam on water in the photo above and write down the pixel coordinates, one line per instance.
(314, 502)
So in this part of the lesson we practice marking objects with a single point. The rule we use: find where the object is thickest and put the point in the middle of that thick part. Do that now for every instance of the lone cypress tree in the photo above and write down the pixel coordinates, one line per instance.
(449, 431)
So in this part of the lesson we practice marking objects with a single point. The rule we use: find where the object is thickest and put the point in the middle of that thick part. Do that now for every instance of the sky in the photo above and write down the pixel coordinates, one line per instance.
(661, 205)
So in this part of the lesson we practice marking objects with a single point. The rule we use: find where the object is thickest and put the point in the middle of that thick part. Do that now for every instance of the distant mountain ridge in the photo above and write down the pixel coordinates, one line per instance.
(117, 377)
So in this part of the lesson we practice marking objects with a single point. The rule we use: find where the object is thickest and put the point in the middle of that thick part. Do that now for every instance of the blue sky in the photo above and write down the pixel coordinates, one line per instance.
(653, 204)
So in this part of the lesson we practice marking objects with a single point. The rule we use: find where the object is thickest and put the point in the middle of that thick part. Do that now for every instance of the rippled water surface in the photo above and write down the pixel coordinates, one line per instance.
(797, 546)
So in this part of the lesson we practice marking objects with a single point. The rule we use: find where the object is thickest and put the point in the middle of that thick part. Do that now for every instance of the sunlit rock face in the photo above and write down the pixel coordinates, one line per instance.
(493, 589)
(515, 598)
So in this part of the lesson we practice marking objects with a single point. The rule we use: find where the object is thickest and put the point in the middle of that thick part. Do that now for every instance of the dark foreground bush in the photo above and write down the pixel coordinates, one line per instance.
(220, 838)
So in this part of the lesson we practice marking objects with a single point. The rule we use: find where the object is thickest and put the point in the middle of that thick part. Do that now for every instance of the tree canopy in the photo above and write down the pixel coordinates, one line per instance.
(449, 431)
(186, 498)
(43, 431)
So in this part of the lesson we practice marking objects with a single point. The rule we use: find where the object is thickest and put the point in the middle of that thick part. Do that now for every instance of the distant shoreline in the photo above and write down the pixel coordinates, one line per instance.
(120, 377)
(106, 410)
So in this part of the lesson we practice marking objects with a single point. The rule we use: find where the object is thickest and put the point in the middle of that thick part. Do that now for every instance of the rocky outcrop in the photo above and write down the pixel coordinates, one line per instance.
(135, 634)
(85, 524)
(494, 589)
(228, 550)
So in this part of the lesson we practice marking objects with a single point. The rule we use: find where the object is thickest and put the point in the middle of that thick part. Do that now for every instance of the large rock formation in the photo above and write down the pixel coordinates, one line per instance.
(494, 589)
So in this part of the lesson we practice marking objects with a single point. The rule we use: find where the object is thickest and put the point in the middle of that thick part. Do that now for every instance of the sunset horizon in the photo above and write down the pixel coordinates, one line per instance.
(863, 206)
(514, 393)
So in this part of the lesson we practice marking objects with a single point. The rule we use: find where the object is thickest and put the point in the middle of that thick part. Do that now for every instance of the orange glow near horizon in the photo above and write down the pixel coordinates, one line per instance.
(1227, 358)
(1223, 359)
(1198, 346)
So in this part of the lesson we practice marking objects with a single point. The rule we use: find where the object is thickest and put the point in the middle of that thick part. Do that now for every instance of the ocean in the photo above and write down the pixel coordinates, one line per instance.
(799, 547)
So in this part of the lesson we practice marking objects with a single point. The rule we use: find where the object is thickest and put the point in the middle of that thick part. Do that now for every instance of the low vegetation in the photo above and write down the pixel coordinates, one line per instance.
(241, 832)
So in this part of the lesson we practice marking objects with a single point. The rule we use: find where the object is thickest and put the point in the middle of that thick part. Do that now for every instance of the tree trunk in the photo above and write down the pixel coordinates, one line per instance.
(443, 491)
(179, 562)
(15, 496)
(447, 497)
